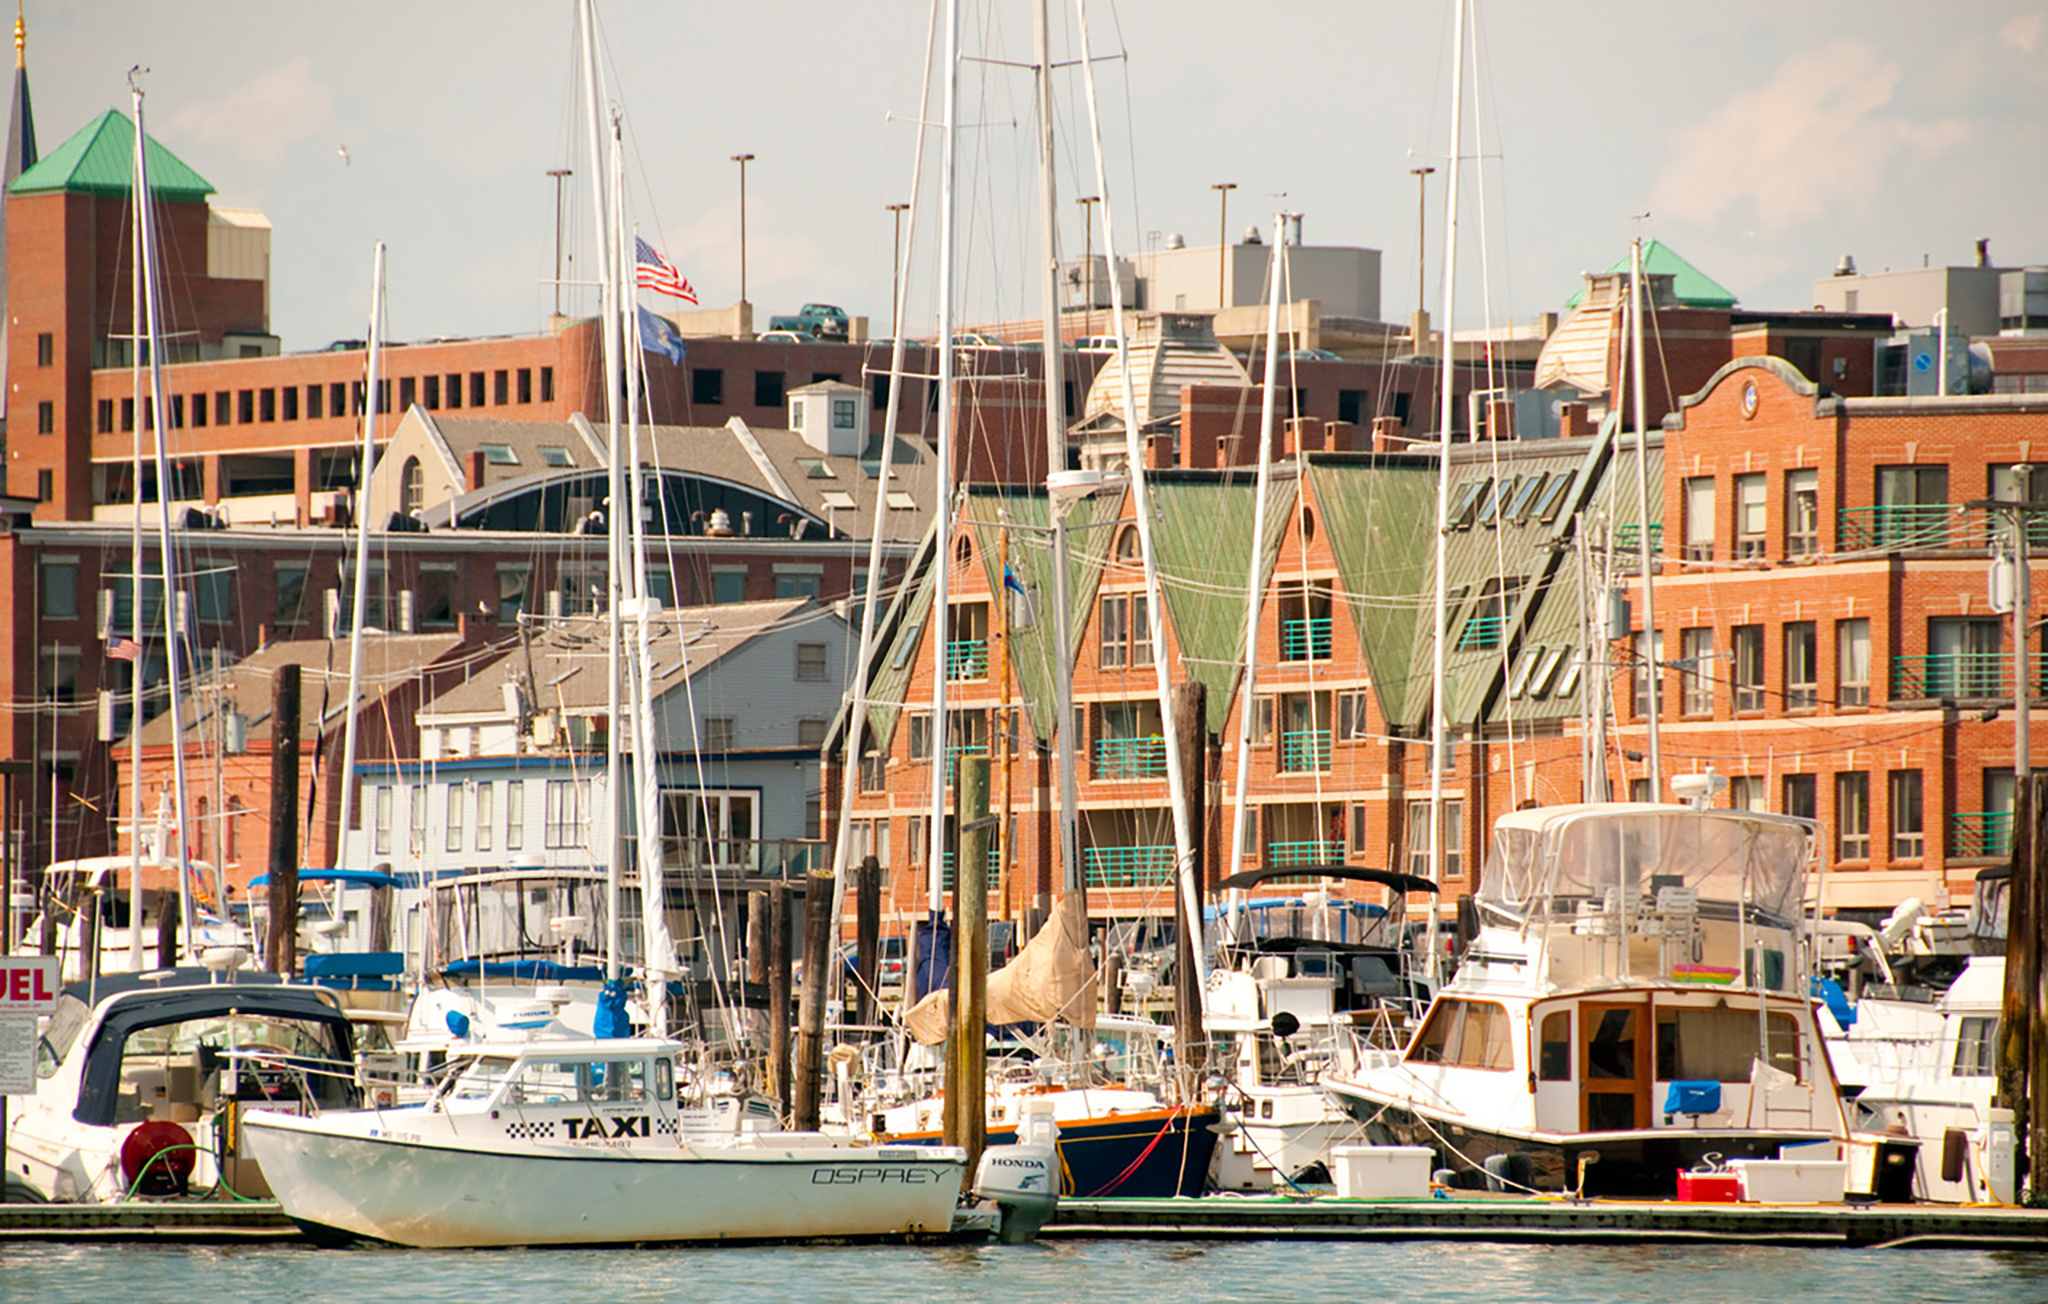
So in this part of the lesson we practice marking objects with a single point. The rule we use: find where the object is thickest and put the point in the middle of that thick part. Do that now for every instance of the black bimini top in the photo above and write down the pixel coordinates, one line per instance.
(1388, 878)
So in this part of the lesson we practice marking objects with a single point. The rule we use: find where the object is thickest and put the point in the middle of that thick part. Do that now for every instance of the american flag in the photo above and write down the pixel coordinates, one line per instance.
(659, 274)
(124, 649)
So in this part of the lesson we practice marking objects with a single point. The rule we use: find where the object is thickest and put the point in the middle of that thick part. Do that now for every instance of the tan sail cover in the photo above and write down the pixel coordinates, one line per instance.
(1052, 980)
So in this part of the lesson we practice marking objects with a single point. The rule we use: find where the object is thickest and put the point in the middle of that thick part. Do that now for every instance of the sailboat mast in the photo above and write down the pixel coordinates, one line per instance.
(1439, 733)
(1247, 691)
(1654, 669)
(943, 525)
(146, 255)
(1184, 848)
(607, 327)
(1072, 879)
(358, 599)
(135, 666)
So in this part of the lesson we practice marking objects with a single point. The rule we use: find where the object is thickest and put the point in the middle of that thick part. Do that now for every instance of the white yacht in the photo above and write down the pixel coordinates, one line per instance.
(1634, 1003)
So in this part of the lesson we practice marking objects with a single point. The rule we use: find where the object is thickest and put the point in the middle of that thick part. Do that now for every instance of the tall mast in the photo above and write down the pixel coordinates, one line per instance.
(174, 680)
(135, 631)
(1439, 733)
(358, 600)
(942, 528)
(1141, 503)
(1653, 666)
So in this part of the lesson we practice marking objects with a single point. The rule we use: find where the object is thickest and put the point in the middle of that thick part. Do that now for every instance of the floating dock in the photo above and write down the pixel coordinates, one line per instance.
(1474, 1217)
(148, 1220)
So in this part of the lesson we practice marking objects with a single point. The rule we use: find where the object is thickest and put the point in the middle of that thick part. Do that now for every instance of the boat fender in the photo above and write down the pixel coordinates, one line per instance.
(157, 1158)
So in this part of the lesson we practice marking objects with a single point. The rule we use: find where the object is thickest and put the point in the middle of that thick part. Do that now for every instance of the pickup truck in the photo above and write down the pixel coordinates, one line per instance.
(819, 319)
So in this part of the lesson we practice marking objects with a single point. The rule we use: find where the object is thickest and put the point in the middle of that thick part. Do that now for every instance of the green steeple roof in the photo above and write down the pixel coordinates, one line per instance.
(100, 160)
(1692, 287)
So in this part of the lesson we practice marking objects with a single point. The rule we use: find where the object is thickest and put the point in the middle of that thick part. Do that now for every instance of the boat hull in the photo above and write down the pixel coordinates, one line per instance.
(1151, 1155)
(445, 1194)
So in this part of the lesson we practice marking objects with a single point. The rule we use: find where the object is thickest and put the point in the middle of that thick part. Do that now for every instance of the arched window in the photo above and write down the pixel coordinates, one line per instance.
(1127, 544)
(412, 487)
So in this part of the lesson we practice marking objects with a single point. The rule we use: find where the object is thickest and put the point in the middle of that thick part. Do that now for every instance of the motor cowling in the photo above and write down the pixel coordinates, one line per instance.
(157, 1158)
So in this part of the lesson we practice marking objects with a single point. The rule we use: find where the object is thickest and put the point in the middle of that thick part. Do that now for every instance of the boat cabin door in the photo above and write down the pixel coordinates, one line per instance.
(1614, 1066)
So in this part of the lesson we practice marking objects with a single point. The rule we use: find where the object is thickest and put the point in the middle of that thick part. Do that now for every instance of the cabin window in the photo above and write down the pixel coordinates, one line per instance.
(1718, 1044)
(1976, 1047)
(664, 1078)
(1554, 1047)
(1468, 1034)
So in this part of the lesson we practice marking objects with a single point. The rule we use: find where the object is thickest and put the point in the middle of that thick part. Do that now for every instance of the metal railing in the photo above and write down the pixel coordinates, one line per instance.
(1128, 758)
(953, 755)
(967, 658)
(1911, 525)
(1305, 640)
(1625, 537)
(992, 873)
(1316, 851)
(1304, 750)
(1979, 834)
(1956, 674)
(1128, 866)
(1482, 632)
(774, 857)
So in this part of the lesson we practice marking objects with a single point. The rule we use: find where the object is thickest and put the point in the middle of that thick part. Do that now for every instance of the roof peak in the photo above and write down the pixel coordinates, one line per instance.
(99, 159)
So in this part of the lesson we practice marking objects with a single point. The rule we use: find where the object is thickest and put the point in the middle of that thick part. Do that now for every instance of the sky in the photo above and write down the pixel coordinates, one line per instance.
(1763, 139)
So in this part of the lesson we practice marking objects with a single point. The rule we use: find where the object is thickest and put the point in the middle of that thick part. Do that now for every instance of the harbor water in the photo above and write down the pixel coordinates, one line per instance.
(1096, 1271)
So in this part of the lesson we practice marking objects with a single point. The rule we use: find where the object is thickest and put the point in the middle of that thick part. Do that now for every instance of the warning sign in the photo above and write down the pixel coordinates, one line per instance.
(17, 1054)
(28, 988)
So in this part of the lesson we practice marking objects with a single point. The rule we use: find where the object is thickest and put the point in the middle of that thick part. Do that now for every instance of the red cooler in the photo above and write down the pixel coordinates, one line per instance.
(1709, 1188)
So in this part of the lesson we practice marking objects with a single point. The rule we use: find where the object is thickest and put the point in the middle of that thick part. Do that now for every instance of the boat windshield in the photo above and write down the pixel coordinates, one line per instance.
(519, 917)
(476, 1080)
(1588, 853)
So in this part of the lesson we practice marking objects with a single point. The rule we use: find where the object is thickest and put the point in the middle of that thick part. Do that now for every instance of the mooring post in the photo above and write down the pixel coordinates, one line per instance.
(281, 947)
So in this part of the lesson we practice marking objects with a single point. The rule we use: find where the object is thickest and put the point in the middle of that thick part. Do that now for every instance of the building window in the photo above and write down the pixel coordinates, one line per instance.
(104, 416)
(1750, 517)
(434, 601)
(46, 349)
(223, 410)
(431, 393)
(729, 584)
(1746, 792)
(1749, 667)
(1908, 817)
(920, 738)
(802, 584)
(515, 814)
(501, 387)
(291, 403)
(476, 389)
(1852, 816)
(526, 384)
(484, 814)
(768, 390)
(46, 485)
(1852, 662)
(707, 386)
(512, 590)
(60, 674)
(337, 400)
(454, 811)
(1351, 717)
(412, 487)
(1912, 507)
(418, 800)
(1304, 620)
(245, 407)
(267, 403)
(547, 384)
(562, 813)
(1802, 512)
(1802, 678)
(1802, 796)
(1126, 632)
(1695, 675)
(380, 843)
(845, 414)
(46, 418)
(1453, 840)
(1487, 626)
(719, 733)
(1699, 519)
(60, 590)
(810, 663)
(810, 733)
(1648, 662)
(1966, 657)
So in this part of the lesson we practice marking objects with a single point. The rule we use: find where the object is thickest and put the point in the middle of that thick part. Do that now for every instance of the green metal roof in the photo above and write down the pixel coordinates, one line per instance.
(901, 636)
(1201, 538)
(1378, 516)
(100, 160)
(1692, 287)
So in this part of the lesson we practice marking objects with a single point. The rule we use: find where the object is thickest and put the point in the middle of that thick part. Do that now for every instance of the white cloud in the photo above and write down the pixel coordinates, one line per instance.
(265, 118)
(1815, 138)
(2022, 34)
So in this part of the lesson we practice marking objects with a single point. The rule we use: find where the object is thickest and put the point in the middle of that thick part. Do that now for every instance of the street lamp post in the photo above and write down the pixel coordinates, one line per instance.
(896, 270)
(559, 174)
(1088, 203)
(1222, 189)
(1421, 176)
(743, 160)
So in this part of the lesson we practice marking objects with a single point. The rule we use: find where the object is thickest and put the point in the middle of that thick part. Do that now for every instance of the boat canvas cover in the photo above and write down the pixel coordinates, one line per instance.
(1052, 980)
(1584, 852)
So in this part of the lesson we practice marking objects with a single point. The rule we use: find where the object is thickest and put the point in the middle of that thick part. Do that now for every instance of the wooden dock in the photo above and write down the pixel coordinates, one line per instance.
(1471, 1217)
(148, 1220)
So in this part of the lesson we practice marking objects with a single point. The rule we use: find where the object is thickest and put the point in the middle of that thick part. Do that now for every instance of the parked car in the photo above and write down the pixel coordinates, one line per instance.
(889, 963)
(1313, 355)
(976, 340)
(786, 337)
(1095, 344)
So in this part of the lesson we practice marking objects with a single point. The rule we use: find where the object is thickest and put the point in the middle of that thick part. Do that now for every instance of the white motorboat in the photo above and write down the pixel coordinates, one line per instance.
(589, 1143)
(1635, 1002)
(141, 1076)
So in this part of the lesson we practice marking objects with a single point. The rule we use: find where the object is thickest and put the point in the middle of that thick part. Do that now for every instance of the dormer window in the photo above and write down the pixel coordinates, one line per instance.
(500, 455)
(554, 455)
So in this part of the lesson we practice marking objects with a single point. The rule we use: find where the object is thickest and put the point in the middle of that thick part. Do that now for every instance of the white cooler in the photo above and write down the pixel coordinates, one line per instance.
(1792, 1181)
(1381, 1172)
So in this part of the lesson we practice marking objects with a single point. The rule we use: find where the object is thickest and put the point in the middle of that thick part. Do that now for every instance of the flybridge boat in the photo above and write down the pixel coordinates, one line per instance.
(1634, 1003)
(592, 1142)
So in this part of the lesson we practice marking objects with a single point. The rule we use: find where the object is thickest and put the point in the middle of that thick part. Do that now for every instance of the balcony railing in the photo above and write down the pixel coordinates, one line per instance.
(1304, 750)
(775, 857)
(1128, 866)
(953, 755)
(1305, 640)
(1979, 834)
(992, 873)
(1958, 674)
(1482, 632)
(967, 658)
(1318, 851)
(1129, 758)
(1625, 537)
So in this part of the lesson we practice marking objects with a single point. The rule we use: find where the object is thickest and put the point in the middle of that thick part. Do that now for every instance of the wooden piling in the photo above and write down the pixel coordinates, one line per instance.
(867, 938)
(968, 1043)
(281, 947)
(1191, 725)
(2015, 1025)
(810, 1024)
(778, 994)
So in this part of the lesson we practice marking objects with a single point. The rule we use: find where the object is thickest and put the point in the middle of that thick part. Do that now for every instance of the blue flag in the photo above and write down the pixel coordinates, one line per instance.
(657, 336)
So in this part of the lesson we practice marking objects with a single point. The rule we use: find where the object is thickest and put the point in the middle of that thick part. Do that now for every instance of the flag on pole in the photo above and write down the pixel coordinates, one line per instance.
(124, 649)
(657, 336)
(656, 273)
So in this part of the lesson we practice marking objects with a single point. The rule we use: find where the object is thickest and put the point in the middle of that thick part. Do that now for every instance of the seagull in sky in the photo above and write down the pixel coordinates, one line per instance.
(343, 151)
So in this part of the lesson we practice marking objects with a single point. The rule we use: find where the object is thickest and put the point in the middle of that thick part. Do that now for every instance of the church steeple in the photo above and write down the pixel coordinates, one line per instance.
(21, 119)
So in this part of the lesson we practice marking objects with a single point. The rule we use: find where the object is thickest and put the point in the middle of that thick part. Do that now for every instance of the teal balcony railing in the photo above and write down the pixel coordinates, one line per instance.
(1911, 526)
(1304, 750)
(1979, 834)
(1305, 640)
(993, 871)
(1481, 633)
(1952, 674)
(1128, 758)
(1314, 852)
(953, 755)
(1128, 866)
(1625, 537)
(967, 658)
